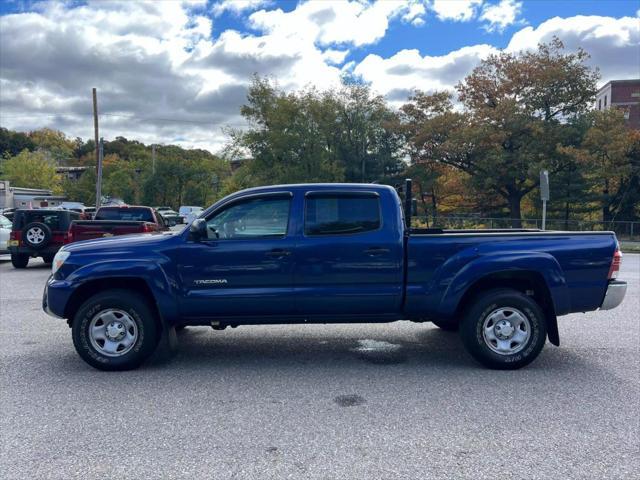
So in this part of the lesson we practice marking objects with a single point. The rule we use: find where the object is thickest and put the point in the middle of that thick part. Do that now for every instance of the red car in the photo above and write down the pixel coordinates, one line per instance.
(118, 220)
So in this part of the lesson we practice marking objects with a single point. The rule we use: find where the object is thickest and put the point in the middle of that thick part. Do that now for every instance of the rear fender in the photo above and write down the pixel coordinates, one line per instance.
(540, 262)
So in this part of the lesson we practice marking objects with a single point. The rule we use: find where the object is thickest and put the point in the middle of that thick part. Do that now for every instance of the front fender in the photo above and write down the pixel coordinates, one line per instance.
(494, 263)
(151, 272)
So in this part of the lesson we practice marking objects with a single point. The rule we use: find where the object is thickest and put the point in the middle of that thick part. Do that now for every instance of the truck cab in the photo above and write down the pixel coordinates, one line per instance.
(328, 253)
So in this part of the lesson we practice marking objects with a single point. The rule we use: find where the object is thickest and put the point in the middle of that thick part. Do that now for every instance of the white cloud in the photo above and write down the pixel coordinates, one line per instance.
(456, 10)
(238, 6)
(613, 43)
(335, 57)
(155, 61)
(415, 13)
(151, 62)
(334, 21)
(499, 16)
(407, 70)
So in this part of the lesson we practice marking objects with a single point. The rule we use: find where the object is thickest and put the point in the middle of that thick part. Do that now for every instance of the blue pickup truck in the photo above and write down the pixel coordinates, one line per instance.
(329, 253)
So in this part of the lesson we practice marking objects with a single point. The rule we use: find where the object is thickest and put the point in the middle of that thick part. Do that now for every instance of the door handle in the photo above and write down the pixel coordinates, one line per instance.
(374, 251)
(278, 253)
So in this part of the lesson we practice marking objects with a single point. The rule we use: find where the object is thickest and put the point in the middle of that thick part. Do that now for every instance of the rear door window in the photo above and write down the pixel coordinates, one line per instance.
(341, 214)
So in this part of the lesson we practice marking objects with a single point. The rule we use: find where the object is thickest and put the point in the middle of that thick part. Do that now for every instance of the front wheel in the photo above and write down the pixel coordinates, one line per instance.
(504, 329)
(115, 330)
(19, 260)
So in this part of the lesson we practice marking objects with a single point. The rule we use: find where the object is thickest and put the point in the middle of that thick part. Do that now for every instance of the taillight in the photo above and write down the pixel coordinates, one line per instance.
(146, 228)
(615, 263)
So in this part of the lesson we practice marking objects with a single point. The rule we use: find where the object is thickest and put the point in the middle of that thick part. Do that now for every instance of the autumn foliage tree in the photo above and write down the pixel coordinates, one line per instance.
(514, 107)
(609, 154)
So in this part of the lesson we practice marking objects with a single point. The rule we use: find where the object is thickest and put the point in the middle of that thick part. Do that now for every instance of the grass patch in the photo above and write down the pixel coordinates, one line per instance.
(630, 247)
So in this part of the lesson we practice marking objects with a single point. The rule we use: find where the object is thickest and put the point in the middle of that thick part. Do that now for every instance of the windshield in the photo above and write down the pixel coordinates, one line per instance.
(125, 213)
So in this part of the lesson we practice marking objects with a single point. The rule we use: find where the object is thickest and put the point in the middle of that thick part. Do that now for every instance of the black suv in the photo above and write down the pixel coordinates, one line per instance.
(39, 233)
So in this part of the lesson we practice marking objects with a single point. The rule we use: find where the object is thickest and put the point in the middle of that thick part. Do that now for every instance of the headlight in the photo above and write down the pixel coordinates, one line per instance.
(58, 260)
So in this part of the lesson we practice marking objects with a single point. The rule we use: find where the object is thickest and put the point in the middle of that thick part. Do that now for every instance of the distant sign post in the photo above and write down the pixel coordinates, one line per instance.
(544, 195)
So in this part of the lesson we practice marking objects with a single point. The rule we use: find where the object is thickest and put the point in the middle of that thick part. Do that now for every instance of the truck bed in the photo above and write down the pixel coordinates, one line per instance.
(575, 263)
(90, 229)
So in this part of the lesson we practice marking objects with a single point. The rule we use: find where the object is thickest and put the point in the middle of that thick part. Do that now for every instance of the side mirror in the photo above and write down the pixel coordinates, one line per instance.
(198, 229)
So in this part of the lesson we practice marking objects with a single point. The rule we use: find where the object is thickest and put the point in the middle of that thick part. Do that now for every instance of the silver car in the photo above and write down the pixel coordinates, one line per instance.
(5, 231)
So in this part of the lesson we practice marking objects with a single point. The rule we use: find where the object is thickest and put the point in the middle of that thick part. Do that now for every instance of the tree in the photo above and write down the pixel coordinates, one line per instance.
(31, 169)
(519, 103)
(367, 146)
(12, 143)
(432, 129)
(83, 189)
(54, 144)
(609, 156)
(288, 138)
(515, 109)
(312, 135)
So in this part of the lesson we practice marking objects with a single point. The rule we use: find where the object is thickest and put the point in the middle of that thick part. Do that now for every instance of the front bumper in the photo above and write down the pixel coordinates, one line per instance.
(55, 297)
(616, 290)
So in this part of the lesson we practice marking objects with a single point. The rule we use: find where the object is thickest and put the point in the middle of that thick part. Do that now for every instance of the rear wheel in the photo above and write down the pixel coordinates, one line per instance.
(19, 260)
(504, 329)
(115, 330)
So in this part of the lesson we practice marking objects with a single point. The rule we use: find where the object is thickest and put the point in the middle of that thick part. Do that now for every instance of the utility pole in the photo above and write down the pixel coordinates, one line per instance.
(153, 159)
(95, 138)
(99, 177)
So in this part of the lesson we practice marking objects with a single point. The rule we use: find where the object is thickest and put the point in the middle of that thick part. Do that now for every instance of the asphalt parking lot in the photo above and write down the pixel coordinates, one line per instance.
(401, 400)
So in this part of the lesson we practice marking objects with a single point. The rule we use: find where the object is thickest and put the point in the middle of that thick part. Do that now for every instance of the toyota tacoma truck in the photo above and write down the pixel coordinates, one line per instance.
(329, 253)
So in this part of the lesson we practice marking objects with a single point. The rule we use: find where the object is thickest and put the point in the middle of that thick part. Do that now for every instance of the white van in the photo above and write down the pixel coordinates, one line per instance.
(188, 214)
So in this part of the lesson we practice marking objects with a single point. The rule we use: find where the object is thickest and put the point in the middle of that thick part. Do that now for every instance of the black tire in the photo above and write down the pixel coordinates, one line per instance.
(446, 325)
(19, 260)
(48, 258)
(43, 240)
(507, 300)
(137, 310)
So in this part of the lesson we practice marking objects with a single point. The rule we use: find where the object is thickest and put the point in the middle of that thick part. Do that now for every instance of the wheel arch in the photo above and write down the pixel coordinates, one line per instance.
(92, 287)
(528, 282)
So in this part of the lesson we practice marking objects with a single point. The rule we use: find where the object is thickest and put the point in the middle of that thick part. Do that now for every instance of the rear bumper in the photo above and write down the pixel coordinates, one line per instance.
(49, 250)
(616, 290)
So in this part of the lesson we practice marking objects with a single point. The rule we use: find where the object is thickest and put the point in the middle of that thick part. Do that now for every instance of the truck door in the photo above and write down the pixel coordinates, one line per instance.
(348, 260)
(245, 266)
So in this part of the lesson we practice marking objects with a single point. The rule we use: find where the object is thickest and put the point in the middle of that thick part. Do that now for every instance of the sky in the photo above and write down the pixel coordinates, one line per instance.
(178, 71)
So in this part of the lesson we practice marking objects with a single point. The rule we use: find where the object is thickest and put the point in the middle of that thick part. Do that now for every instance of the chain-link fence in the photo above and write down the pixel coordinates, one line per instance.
(624, 230)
